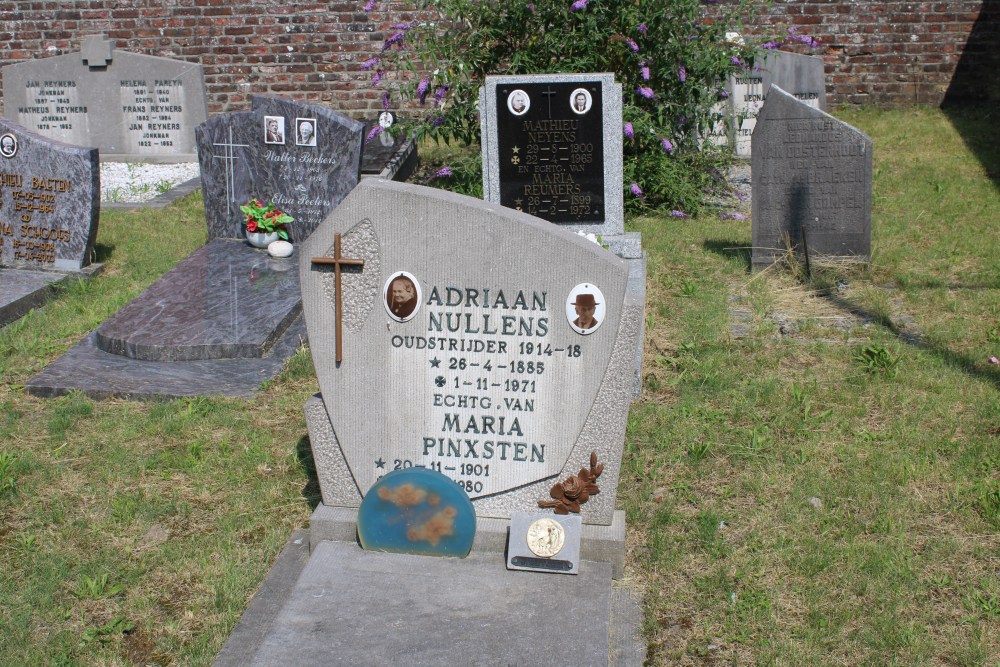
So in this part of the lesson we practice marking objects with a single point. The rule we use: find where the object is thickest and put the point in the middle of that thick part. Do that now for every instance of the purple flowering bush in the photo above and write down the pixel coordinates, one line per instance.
(669, 55)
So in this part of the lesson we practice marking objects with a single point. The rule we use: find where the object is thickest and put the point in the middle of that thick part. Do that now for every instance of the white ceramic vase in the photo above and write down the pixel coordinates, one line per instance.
(261, 240)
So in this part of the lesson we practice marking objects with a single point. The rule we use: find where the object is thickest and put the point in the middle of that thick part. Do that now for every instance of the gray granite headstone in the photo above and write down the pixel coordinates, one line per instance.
(552, 147)
(800, 75)
(810, 171)
(50, 198)
(129, 105)
(305, 168)
(487, 374)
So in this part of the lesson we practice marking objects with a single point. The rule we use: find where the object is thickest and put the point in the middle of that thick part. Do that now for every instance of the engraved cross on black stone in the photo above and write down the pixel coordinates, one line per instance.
(548, 92)
(337, 261)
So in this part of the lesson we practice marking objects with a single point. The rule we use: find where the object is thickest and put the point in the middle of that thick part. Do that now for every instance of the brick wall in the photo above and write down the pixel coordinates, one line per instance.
(877, 52)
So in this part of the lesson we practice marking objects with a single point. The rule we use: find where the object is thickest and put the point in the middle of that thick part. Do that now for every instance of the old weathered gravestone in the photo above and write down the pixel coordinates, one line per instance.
(812, 183)
(800, 75)
(492, 347)
(228, 316)
(552, 147)
(50, 196)
(303, 157)
(130, 106)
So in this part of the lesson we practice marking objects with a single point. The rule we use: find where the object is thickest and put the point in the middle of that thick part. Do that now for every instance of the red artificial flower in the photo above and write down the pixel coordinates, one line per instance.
(251, 226)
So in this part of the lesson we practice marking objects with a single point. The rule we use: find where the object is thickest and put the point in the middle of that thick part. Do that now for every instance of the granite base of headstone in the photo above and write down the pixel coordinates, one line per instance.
(496, 349)
(227, 317)
(49, 207)
(812, 184)
(131, 106)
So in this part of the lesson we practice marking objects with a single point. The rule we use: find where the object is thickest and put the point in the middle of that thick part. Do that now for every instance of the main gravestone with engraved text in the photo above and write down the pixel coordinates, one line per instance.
(303, 157)
(228, 316)
(799, 75)
(49, 207)
(131, 106)
(493, 347)
(552, 147)
(812, 183)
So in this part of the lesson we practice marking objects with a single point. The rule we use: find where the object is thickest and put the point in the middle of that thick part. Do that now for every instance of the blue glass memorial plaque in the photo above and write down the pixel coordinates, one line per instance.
(417, 511)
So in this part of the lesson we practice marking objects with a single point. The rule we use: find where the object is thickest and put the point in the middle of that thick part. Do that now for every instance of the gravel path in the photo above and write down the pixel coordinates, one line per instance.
(138, 182)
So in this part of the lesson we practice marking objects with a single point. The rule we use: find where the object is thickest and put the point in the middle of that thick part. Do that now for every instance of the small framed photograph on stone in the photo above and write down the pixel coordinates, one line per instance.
(518, 102)
(402, 296)
(580, 101)
(305, 131)
(585, 308)
(274, 130)
(8, 145)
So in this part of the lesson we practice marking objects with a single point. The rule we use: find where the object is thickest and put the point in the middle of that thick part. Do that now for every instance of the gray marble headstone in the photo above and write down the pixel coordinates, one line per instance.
(129, 105)
(552, 158)
(305, 174)
(50, 199)
(810, 171)
(486, 375)
(800, 75)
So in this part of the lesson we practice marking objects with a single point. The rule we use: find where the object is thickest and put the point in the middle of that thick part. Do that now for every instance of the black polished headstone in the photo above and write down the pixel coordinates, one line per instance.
(50, 199)
(305, 174)
(555, 168)
(130, 106)
(810, 172)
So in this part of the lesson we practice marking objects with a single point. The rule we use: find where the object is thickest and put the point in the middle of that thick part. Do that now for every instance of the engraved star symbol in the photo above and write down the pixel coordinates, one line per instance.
(435, 362)
(515, 150)
(439, 381)
(517, 202)
(380, 463)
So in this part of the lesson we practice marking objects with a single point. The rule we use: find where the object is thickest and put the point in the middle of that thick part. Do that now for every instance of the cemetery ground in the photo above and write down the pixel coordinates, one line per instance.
(796, 492)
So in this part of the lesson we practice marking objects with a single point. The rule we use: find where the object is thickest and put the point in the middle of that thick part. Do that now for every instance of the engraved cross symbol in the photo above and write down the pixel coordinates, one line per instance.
(548, 92)
(229, 157)
(337, 261)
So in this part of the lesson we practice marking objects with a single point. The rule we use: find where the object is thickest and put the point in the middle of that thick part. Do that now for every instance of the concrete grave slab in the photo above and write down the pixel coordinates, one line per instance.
(812, 176)
(131, 106)
(355, 607)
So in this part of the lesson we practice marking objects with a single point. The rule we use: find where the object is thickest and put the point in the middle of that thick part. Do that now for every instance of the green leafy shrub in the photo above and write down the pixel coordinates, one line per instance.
(671, 57)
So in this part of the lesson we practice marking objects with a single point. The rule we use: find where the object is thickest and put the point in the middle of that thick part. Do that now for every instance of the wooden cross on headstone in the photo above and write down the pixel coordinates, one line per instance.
(337, 261)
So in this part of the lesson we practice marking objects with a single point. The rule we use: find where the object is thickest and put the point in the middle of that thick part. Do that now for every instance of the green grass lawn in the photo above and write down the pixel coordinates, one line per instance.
(826, 497)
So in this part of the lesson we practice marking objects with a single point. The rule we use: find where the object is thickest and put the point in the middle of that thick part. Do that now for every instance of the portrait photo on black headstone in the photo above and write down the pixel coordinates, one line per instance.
(580, 101)
(518, 102)
(274, 129)
(305, 131)
(402, 296)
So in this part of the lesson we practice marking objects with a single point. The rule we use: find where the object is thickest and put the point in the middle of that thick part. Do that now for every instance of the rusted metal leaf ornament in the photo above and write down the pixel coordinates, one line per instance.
(575, 490)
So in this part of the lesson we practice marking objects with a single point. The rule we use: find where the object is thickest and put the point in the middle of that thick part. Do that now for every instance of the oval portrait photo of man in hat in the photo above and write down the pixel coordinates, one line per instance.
(585, 308)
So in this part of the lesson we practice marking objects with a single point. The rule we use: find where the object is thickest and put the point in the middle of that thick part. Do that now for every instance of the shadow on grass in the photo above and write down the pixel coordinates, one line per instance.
(102, 252)
(730, 249)
(303, 453)
(974, 91)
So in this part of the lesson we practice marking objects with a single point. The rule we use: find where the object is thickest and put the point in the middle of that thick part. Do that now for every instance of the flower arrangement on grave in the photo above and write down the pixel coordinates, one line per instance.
(266, 219)
(575, 490)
